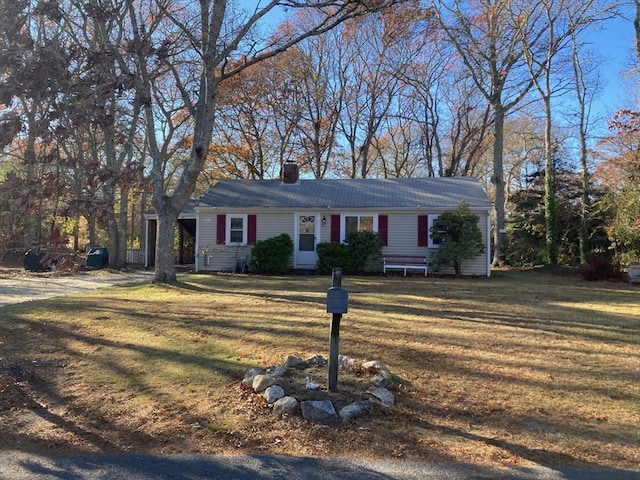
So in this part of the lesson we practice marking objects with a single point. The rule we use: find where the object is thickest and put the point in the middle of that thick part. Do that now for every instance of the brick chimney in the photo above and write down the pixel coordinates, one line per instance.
(290, 172)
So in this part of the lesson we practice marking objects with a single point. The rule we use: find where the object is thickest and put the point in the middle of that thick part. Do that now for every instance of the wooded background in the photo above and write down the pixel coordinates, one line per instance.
(111, 107)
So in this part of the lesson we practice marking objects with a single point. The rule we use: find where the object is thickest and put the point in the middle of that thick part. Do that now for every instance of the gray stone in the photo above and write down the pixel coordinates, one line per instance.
(357, 409)
(316, 360)
(250, 375)
(262, 382)
(379, 381)
(292, 361)
(285, 405)
(318, 410)
(377, 366)
(273, 393)
(277, 370)
(345, 362)
(380, 395)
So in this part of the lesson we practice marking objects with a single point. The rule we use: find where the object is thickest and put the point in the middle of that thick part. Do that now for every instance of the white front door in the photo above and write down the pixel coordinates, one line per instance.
(306, 240)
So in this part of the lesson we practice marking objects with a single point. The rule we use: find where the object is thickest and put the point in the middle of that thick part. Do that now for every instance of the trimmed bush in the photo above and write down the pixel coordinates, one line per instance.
(332, 255)
(366, 251)
(271, 256)
(361, 252)
(459, 236)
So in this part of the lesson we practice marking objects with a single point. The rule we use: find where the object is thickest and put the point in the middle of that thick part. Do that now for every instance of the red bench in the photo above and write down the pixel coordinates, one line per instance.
(404, 263)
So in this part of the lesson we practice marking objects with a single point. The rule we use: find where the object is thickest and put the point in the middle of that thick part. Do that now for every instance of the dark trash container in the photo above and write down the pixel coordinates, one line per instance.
(98, 257)
(33, 260)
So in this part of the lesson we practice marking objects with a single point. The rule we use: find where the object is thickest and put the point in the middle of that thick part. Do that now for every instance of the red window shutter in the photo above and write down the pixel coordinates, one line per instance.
(251, 229)
(221, 229)
(335, 228)
(423, 230)
(383, 229)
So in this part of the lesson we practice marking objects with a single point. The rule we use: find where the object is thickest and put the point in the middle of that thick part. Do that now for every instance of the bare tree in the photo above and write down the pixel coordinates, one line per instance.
(487, 41)
(223, 41)
(379, 52)
(562, 20)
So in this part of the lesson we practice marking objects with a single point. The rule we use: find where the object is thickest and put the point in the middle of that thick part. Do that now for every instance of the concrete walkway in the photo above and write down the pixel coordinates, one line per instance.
(21, 466)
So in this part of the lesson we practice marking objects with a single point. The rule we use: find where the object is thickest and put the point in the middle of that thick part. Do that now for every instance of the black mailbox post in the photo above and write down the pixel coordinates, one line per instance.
(337, 304)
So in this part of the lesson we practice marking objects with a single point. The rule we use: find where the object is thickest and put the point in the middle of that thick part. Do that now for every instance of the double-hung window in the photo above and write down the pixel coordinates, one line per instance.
(236, 229)
(433, 243)
(346, 223)
(359, 223)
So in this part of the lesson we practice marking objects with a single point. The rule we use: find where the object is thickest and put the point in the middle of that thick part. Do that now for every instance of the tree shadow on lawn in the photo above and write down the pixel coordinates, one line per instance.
(40, 367)
(540, 456)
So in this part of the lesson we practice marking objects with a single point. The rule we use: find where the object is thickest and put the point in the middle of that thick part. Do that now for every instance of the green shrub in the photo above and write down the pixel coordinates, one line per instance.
(332, 255)
(361, 252)
(459, 237)
(271, 256)
(366, 251)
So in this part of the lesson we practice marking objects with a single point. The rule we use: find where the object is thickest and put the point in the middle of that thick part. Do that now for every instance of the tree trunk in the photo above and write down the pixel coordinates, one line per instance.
(165, 262)
(91, 227)
(550, 216)
(123, 229)
(112, 227)
(498, 182)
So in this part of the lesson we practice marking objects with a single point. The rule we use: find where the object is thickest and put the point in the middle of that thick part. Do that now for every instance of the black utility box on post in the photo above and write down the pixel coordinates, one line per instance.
(337, 304)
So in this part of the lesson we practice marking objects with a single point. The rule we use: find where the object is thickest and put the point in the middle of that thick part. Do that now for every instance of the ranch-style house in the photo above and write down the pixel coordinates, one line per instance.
(224, 224)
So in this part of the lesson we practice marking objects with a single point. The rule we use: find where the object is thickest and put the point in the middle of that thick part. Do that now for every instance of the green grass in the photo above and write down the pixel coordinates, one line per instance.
(522, 368)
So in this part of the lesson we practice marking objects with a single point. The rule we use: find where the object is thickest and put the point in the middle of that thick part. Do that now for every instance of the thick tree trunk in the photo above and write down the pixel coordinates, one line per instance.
(165, 263)
(112, 227)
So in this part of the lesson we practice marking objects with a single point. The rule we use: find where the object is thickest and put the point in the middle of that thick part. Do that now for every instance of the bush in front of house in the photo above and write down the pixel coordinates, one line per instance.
(459, 237)
(366, 251)
(334, 255)
(361, 252)
(271, 256)
(601, 267)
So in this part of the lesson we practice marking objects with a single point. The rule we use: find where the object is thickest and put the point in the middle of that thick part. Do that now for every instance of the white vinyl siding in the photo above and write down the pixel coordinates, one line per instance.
(402, 237)
(403, 240)
(223, 257)
(270, 225)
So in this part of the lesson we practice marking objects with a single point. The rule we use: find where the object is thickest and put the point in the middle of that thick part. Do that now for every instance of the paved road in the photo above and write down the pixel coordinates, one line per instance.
(20, 466)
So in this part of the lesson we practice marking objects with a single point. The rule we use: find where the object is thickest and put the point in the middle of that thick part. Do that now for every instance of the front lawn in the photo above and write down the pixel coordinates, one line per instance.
(522, 368)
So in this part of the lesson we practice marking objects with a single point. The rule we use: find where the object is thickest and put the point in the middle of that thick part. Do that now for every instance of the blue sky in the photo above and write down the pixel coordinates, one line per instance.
(616, 45)
(614, 42)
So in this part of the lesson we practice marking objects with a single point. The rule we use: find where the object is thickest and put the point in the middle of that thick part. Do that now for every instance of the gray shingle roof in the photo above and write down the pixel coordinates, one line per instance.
(433, 192)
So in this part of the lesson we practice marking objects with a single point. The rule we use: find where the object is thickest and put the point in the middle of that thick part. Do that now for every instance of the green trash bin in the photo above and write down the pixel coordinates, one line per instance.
(98, 257)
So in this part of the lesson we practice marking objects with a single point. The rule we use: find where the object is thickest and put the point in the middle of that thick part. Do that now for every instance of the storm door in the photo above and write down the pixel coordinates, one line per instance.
(306, 256)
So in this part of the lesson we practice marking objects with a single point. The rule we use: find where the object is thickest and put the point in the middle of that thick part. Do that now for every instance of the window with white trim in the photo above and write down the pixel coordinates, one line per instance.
(431, 242)
(354, 222)
(236, 230)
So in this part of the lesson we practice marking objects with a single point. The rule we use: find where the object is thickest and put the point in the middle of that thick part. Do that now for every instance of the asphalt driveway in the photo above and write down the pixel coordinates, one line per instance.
(18, 286)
